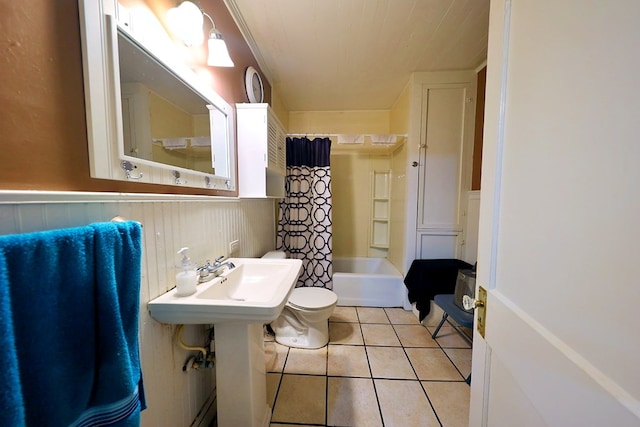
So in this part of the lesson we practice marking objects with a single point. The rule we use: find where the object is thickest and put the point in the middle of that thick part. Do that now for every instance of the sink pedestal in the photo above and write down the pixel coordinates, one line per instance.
(238, 303)
(241, 382)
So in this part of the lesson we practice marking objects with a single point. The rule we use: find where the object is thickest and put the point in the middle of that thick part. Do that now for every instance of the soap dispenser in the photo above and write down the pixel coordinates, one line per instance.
(187, 277)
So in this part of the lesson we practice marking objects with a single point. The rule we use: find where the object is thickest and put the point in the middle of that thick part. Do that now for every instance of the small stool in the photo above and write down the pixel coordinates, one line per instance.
(462, 318)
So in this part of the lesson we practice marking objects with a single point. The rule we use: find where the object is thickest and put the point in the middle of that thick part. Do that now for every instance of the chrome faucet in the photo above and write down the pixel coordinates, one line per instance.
(210, 271)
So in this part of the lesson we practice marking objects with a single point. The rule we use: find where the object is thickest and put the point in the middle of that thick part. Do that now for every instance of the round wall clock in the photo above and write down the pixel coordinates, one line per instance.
(253, 85)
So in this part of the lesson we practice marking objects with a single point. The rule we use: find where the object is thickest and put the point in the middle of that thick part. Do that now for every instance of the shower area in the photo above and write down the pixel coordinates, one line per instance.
(366, 216)
(368, 166)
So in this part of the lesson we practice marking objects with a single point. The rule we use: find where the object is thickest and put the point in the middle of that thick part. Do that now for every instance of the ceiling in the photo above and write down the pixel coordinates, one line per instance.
(334, 55)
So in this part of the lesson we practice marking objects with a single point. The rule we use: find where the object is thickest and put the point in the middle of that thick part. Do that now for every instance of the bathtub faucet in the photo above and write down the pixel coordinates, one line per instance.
(210, 271)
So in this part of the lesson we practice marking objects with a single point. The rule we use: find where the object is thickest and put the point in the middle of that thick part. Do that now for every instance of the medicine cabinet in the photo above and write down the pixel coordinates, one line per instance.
(262, 152)
(150, 118)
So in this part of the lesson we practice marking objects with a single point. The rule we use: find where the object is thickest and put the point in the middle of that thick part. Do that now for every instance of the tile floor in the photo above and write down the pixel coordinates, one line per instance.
(381, 368)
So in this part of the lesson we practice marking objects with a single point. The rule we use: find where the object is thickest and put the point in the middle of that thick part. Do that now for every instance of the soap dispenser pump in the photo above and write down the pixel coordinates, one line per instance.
(187, 277)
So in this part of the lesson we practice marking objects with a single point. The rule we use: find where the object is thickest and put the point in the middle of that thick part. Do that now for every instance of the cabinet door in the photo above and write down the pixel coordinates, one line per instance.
(435, 245)
(443, 134)
(276, 152)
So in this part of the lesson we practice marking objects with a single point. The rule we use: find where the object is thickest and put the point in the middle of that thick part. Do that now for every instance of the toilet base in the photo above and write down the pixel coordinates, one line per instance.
(315, 336)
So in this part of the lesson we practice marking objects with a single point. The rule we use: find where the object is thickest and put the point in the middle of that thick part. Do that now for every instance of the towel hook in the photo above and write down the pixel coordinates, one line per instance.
(128, 167)
(176, 176)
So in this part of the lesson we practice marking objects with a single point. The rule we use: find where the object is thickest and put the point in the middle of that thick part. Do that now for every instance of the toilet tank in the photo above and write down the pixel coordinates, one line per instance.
(275, 255)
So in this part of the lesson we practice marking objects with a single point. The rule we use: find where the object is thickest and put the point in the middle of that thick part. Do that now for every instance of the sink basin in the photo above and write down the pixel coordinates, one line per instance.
(255, 291)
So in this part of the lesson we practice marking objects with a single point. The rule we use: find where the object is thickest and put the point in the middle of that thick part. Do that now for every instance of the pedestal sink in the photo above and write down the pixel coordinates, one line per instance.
(237, 303)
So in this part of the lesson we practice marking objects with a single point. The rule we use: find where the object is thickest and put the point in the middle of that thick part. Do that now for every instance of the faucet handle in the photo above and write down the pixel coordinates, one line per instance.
(218, 261)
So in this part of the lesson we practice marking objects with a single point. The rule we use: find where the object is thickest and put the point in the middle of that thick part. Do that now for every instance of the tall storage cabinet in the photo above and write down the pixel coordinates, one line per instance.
(441, 122)
(262, 155)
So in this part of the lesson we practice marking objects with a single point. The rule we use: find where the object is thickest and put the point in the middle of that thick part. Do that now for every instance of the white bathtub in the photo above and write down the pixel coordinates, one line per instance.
(368, 282)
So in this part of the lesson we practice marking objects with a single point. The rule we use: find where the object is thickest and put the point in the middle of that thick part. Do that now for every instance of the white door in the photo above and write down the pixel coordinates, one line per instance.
(560, 207)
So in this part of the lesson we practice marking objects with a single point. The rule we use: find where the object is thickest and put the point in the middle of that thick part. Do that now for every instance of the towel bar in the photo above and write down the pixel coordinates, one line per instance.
(119, 218)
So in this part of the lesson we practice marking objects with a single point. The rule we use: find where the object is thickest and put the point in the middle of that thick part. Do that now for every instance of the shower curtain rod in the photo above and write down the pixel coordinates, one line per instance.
(313, 134)
(338, 134)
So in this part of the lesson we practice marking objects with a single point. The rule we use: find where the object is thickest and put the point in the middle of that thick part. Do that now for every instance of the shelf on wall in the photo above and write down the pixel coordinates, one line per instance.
(367, 147)
(380, 208)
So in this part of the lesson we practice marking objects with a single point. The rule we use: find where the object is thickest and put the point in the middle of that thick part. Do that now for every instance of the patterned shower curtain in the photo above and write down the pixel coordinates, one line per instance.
(304, 223)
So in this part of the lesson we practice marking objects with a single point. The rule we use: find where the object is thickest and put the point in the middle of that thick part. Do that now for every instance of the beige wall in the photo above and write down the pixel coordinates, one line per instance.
(351, 187)
(351, 169)
(398, 207)
(399, 124)
(399, 114)
(332, 122)
(170, 121)
(279, 108)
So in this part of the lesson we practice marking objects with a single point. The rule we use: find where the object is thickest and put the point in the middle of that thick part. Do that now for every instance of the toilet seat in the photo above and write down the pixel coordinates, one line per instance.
(311, 299)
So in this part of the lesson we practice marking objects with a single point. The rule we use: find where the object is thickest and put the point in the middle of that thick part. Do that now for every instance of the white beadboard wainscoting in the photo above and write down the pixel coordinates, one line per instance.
(206, 225)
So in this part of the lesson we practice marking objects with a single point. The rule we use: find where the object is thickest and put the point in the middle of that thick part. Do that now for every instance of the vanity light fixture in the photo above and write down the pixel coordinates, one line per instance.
(187, 21)
(218, 52)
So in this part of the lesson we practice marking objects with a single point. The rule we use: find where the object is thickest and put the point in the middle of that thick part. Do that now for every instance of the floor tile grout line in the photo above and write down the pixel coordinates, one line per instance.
(416, 373)
(275, 397)
(459, 329)
(375, 391)
(371, 376)
(326, 397)
(373, 382)
(454, 365)
(374, 323)
(450, 360)
(326, 387)
(433, 408)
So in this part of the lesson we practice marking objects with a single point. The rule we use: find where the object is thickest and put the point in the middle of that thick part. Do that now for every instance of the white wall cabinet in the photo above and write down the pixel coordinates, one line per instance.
(441, 127)
(441, 155)
(262, 154)
(437, 244)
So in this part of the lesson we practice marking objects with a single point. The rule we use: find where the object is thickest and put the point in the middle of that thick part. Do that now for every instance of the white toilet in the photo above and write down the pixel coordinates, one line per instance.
(304, 321)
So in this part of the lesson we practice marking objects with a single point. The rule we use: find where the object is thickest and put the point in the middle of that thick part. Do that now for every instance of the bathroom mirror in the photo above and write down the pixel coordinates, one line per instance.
(149, 117)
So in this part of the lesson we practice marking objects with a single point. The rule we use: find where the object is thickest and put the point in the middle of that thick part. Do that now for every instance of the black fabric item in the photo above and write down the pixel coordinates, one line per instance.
(304, 152)
(427, 278)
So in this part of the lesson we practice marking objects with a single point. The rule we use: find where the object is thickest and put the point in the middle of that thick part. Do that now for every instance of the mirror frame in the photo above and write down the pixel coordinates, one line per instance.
(100, 21)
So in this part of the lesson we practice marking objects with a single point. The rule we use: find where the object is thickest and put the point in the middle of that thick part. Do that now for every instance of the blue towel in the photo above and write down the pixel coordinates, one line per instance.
(11, 409)
(74, 302)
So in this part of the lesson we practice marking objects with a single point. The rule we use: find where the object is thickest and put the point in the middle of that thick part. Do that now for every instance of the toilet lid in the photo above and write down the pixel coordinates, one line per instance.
(312, 298)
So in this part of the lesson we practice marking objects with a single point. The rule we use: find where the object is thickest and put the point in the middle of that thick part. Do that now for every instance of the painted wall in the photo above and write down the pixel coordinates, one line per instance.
(279, 108)
(398, 208)
(170, 121)
(399, 123)
(328, 122)
(399, 114)
(44, 147)
(44, 135)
